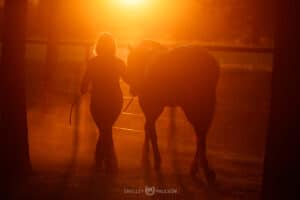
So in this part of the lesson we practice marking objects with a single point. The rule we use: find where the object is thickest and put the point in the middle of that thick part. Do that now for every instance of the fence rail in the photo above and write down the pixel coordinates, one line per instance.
(224, 48)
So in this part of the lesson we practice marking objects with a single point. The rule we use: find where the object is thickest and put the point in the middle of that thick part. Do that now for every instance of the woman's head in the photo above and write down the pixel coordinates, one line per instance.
(105, 45)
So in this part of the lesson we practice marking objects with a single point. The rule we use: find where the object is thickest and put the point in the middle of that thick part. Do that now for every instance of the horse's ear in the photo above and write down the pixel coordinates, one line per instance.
(130, 47)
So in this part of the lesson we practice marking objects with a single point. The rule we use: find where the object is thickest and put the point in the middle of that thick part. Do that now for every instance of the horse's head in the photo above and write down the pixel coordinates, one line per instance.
(139, 58)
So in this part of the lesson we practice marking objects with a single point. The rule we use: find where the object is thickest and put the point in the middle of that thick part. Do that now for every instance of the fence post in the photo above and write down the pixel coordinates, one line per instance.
(52, 46)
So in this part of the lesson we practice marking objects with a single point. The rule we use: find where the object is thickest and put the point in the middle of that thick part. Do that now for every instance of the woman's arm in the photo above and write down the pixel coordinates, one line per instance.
(85, 80)
(125, 78)
(123, 72)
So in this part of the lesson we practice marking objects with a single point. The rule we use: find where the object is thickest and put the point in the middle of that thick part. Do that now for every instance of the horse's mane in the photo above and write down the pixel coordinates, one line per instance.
(143, 55)
(150, 45)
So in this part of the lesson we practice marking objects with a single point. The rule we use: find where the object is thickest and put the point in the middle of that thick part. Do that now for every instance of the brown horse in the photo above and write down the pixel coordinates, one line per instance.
(187, 77)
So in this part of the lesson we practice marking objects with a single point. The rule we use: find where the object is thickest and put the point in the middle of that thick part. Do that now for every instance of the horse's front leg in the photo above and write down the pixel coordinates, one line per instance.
(151, 110)
(151, 134)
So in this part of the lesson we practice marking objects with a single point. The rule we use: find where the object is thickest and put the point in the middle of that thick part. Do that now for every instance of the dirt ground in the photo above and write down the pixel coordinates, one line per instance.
(62, 154)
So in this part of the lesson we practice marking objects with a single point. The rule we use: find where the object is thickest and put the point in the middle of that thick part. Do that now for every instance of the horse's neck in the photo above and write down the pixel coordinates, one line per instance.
(151, 53)
(152, 57)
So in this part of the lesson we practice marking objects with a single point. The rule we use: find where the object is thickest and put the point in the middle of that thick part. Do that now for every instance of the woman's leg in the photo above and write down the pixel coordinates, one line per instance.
(105, 116)
(110, 159)
(98, 119)
(99, 154)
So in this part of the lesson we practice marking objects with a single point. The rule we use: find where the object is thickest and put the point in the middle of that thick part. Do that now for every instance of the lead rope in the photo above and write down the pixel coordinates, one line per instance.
(77, 99)
(128, 104)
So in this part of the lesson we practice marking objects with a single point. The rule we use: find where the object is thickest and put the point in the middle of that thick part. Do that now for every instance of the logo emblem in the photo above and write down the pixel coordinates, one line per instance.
(149, 191)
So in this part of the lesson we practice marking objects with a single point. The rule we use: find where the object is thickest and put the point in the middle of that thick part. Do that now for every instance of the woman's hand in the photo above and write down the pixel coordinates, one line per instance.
(85, 81)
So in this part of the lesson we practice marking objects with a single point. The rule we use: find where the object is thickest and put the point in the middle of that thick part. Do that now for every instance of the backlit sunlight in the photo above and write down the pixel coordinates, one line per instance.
(132, 2)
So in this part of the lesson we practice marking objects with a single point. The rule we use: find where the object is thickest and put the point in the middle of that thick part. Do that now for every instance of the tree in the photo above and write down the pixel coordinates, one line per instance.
(14, 147)
(282, 148)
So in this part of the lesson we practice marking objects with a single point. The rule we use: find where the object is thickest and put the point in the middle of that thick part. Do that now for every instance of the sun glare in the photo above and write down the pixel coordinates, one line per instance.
(131, 2)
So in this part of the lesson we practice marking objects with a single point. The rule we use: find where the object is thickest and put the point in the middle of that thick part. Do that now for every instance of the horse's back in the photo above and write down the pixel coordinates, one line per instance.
(184, 72)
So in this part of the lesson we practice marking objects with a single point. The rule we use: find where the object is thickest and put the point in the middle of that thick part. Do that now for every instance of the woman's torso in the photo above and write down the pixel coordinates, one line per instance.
(105, 79)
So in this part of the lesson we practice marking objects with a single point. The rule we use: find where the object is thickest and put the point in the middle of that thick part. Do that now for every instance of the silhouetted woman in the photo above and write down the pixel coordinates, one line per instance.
(104, 72)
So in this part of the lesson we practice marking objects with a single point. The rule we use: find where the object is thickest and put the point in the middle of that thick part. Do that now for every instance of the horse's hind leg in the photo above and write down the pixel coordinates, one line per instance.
(201, 121)
(201, 156)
